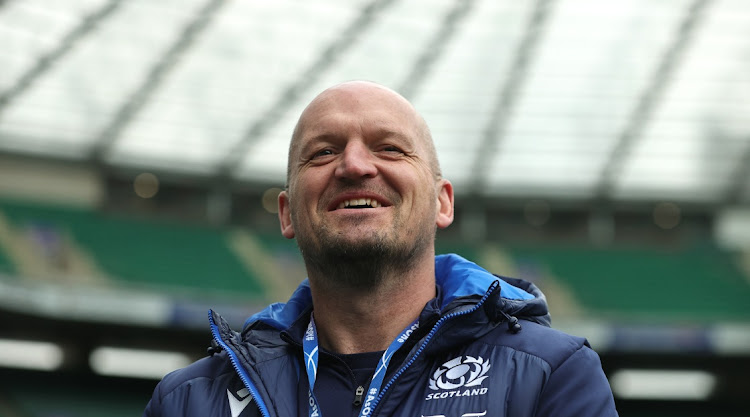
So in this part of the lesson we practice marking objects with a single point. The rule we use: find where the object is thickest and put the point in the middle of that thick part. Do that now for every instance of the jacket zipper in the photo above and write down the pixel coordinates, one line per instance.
(238, 368)
(427, 340)
(358, 392)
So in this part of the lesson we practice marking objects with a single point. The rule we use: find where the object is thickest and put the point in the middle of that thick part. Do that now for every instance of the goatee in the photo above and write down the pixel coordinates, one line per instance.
(363, 265)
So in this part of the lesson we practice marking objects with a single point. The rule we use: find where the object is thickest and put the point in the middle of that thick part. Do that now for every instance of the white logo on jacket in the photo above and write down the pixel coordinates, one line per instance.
(459, 377)
(238, 405)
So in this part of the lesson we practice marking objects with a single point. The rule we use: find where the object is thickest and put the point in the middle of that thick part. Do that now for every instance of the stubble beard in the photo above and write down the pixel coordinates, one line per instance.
(363, 264)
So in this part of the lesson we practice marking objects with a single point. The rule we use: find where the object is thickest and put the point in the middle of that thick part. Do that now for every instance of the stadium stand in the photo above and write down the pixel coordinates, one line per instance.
(697, 283)
(166, 256)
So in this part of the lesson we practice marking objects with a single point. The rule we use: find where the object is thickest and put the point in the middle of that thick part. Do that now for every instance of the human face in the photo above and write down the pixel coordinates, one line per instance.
(361, 143)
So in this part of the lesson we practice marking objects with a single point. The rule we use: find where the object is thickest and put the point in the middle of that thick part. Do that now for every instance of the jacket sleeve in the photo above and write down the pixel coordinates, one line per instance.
(578, 387)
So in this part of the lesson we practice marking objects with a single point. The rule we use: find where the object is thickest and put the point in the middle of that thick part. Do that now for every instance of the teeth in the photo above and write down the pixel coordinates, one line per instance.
(359, 202)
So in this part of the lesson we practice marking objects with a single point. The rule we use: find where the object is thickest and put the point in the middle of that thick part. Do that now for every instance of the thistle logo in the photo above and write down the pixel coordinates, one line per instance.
(462, 372)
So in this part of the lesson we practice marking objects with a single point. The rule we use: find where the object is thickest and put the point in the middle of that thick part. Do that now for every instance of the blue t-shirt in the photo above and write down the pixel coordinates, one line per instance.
(337, 381)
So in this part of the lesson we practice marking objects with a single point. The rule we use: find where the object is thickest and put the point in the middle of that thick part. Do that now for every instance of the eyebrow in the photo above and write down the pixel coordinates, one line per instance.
(306, 143)
(382, 133)
(379, 132)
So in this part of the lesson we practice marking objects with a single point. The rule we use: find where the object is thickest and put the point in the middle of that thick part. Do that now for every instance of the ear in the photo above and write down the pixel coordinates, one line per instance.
(445, 204)
(285, 216)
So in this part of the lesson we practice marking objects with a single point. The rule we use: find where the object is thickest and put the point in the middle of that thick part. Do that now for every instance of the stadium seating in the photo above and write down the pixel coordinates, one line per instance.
(696, 283)
(699, 283)
(118, 250)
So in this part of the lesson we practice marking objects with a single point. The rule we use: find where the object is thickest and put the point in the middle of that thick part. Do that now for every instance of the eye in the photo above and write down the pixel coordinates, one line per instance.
(321, 153)
(392, 149)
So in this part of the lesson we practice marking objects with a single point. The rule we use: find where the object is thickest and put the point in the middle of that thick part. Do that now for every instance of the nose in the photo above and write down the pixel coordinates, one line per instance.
(356, 161)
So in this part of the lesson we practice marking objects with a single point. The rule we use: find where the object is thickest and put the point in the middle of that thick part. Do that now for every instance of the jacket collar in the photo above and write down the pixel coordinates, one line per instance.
(457, 278)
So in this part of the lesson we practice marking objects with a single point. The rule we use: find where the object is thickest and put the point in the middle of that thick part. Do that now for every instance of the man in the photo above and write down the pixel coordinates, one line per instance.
(383, 327)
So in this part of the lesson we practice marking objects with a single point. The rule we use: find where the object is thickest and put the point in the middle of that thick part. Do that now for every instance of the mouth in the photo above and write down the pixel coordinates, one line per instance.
(359, 203)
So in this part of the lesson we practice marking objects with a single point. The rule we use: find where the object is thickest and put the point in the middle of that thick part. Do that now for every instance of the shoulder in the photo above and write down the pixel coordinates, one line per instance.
(551, 346)
(202, 372)
(195, 387)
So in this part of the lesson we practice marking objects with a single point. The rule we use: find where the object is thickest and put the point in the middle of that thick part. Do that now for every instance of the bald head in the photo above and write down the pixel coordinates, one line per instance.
(354, 92)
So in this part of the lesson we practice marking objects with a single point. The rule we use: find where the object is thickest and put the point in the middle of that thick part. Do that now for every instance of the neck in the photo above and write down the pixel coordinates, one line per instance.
(350, 320)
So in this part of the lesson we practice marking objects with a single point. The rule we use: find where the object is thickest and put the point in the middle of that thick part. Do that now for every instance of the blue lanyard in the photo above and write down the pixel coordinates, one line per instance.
(310, 347)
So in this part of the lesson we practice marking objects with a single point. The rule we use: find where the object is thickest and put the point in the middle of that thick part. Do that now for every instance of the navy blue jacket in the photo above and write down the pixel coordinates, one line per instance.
(483, 348)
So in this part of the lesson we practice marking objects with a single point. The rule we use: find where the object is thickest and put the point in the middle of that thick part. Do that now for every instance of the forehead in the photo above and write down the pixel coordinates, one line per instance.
(364, 108)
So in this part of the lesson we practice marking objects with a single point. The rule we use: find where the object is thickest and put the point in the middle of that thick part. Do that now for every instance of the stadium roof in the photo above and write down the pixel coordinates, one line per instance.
(628, 100)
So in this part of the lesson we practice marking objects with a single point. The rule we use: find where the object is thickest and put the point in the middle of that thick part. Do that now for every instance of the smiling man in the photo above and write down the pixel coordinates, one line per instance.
(363, 201)
(383, 326)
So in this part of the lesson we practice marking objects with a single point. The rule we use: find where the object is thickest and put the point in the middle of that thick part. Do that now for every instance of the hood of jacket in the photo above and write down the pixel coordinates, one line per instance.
(459, 281)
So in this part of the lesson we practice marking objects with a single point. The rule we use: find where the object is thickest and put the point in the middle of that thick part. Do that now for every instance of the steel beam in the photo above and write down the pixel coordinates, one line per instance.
(494, 132)
(649, 98)
(45, 62)
(150, 84)
(257, 128)
(435, 48)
